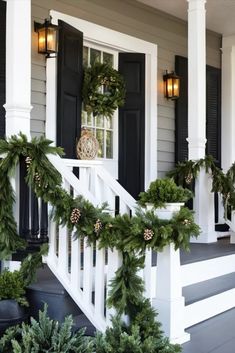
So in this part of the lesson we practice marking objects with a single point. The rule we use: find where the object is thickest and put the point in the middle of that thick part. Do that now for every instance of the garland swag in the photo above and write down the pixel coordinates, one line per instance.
(224, 183)
(131, 236)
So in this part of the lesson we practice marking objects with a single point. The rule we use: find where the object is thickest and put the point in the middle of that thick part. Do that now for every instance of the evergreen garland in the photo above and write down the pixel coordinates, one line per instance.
(131, 236)
(103, 90)
(223, 183)
(35, 151)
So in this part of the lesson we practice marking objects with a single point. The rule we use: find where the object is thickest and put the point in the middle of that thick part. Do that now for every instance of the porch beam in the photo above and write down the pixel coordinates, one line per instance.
(204, 199)
(18, 67)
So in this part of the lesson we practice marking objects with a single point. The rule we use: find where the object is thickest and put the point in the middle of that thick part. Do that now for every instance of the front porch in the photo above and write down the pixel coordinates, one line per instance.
(197, 285)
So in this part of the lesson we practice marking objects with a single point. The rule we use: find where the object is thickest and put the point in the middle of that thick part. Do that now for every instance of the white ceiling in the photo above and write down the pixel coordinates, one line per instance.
(220, 14)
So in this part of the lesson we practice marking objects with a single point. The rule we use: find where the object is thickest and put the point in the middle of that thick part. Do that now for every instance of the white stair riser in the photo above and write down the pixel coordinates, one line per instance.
(205, 270)
(209, 307)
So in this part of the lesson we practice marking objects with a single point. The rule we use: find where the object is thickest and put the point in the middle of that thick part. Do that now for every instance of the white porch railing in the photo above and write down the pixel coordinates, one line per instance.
(84, 270)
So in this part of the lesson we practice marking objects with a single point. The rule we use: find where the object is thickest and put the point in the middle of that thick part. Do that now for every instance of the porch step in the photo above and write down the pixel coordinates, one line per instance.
(48, 289)
(82, 321)
(206, 289)
(209, 298)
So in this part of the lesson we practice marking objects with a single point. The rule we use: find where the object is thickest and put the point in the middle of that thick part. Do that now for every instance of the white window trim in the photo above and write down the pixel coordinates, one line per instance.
(122, 42)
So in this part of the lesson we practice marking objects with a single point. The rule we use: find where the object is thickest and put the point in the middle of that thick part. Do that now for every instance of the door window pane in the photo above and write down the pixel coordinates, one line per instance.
(100, 138)
(101, 126)
(85, 56)
(100, 121)
(89, 119)
(109, 122)
(95, 56)
(108, 58)
(109, 144)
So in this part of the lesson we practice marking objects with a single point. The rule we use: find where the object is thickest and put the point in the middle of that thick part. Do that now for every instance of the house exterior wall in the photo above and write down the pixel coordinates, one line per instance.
(137, 20)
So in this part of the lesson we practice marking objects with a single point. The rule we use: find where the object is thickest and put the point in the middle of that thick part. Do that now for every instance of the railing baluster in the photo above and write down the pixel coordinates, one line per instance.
(88, 273)
(76, 263)
(99, 281)
(44, 222)
(63, 242)
(114, 262)
(147, 273)
(34, 218)
(63, 249)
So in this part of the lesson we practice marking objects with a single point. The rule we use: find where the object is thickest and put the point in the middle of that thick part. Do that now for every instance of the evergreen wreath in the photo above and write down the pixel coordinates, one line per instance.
(103, 90)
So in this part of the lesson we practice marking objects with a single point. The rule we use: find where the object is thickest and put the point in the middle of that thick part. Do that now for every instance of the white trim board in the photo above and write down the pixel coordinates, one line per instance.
(122, 42)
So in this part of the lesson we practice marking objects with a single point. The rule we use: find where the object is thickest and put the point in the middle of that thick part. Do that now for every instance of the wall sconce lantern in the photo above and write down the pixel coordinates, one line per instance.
(47, 38)
(171, 85)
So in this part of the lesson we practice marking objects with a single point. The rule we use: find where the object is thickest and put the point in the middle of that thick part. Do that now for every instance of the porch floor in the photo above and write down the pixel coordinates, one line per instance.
(216, 335)
(200, 252)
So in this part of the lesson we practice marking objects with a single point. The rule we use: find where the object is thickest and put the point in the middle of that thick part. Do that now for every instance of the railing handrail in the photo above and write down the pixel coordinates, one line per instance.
(114, 185)
(81, 162)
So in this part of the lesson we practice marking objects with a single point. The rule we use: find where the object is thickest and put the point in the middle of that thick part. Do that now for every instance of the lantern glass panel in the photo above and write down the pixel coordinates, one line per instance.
(42, 40)
(51, 39)
(169, 87)
(176, 86)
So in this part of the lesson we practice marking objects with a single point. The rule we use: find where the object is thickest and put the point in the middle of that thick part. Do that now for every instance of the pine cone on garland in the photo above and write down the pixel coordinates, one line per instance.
(28, 161)
(148, 234)
(186, 222)
(37, 179)
(189, 178)
(97, 226)
(75, 215)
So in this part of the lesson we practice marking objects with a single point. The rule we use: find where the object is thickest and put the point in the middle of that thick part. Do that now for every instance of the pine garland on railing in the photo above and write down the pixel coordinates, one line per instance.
(131, 236)
(223, 183)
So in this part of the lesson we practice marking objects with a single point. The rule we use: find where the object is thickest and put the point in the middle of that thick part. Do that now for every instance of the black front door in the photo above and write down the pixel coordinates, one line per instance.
(69, 88)
(132, 124)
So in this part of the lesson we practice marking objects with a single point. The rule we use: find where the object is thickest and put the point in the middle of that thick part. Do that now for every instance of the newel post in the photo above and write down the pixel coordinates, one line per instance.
(169, 301)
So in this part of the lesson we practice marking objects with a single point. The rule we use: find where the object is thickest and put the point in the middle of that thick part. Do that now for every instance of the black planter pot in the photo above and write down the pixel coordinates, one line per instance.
(11, 313)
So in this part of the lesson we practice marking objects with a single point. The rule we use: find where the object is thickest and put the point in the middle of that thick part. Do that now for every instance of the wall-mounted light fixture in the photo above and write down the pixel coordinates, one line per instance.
(171, 85)
(47, 38)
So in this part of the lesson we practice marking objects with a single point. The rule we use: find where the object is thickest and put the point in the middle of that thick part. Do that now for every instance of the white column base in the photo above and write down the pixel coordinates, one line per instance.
(17, 120)
(204, 209)
(232, 237)
(205, 238)
(169, 301)
(170, 315)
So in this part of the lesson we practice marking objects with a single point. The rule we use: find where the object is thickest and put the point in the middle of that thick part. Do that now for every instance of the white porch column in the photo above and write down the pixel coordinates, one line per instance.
(18, 67)
(204, 200)
(228, 102)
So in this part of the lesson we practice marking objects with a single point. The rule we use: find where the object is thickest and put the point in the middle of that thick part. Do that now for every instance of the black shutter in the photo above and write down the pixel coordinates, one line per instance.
(181, 111)
(132, 124)
(2, 66)
(69, 88)
(213, 112)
